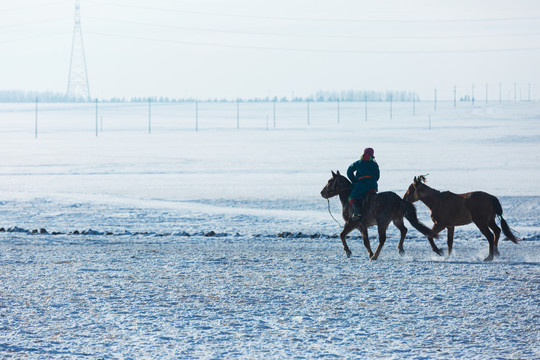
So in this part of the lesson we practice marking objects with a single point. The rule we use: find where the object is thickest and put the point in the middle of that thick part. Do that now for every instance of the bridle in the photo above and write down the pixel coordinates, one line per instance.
(337, 192)
(415, 189)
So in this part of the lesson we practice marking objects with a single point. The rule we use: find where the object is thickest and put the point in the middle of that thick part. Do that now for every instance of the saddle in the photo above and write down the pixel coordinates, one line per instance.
(367, 202)
(365, 206)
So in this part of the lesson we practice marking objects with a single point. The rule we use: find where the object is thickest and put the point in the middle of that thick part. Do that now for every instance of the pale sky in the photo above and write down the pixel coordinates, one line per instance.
(251, 48)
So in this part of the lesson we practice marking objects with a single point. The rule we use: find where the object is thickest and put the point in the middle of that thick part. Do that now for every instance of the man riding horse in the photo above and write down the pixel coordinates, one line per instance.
(363, 174)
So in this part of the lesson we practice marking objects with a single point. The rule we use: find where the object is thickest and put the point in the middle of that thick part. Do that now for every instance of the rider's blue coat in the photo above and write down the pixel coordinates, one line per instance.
(364, 175)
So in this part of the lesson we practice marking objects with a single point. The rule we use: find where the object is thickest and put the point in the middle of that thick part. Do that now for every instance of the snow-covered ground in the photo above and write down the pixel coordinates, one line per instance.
(216, 243)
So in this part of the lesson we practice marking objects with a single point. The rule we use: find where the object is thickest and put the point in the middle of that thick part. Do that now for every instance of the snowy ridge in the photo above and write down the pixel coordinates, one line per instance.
(212, 233)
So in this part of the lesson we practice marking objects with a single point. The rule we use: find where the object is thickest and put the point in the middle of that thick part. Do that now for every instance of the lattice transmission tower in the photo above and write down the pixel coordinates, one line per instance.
(78, 76)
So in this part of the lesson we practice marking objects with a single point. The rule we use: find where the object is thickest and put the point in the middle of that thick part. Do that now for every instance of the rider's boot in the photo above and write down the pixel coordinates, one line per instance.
(357, 209)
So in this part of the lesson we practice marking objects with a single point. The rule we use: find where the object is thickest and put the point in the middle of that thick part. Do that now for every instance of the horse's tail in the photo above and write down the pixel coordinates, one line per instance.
(409, 211)
(504, 225)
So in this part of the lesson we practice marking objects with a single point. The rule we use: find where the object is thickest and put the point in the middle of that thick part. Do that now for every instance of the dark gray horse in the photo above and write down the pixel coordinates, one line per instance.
(381, 209)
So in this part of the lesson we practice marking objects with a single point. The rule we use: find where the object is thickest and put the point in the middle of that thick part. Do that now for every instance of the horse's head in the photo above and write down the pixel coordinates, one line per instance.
(412, 192)
(336, 185)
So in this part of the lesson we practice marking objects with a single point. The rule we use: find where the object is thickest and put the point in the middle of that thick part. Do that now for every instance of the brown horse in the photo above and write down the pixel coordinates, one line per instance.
(382, 208)
(449, 210)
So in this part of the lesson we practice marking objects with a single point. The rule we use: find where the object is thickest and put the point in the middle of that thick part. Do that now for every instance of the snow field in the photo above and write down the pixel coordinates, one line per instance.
(130, 273)
(200, 297)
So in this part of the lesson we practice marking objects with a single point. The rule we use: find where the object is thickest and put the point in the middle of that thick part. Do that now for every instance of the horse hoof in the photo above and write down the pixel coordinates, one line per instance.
(348, 253)
(401, 252)
(439, 252)
(373, 258)
(489, 258)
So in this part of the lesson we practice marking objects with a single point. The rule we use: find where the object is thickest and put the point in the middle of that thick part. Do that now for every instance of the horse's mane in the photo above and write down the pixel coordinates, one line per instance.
(345, 179)
(423, 179)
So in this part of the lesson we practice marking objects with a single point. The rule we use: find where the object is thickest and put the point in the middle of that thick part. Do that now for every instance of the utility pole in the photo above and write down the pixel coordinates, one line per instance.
(365, 111)
(338, 109)
(149, 115)
(274, 112)
(308, 111)
(96, 117)
(35, 124)
(197, 115)
(390, 106)
(237, 113)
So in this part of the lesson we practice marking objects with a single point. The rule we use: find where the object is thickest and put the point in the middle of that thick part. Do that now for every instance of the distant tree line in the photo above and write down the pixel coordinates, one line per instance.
(319, 96)
(30, 96)
(362, 95)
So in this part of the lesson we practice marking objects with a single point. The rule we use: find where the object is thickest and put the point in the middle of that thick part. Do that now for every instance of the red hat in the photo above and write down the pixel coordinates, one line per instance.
(369, 151)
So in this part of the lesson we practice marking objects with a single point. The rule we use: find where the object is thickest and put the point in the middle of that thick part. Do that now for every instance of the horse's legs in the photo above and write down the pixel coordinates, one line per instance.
(490, 238)
(382, 240)
(450, 238)
(497, 231)
(403, 230)
(437, 228)
(346, 230)
(367, 244)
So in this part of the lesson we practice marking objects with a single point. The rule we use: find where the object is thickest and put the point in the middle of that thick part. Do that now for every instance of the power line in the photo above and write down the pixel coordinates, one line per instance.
(31, 6)
(33, 22)
(338, 51)
(377, 37)
(343, 20)
(40, 36)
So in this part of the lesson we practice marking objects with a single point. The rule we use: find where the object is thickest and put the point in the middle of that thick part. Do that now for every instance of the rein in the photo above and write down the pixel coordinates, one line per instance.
(331, 213)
